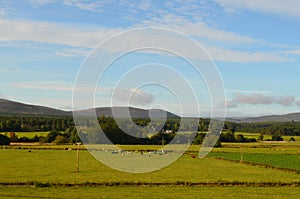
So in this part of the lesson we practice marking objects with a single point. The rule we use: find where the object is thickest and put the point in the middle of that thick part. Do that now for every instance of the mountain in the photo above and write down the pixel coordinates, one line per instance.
(270, 118)
(122, 112)
(11, 107)
(17, 108)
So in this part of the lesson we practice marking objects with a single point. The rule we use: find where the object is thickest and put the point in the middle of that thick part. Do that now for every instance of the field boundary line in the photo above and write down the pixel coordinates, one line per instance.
(152, 184)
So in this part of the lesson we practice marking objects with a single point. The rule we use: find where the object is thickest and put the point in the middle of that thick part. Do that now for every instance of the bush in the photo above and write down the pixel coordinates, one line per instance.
(218, 144)
(60, 139)
(51, 136)
(239, 138)
(13, 137)
(276, 137)
(199, 138)
(4, 140)
(292, 139)
(260, 137)
(227, 137)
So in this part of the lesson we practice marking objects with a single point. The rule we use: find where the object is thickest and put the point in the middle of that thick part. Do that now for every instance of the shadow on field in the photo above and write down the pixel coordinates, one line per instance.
(21, 196)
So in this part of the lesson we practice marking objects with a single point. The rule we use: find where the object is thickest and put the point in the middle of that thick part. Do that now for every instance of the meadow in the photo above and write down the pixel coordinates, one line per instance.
(151, 192)
(235, 170)
(49, 172)
(266, 137)
(28, 134)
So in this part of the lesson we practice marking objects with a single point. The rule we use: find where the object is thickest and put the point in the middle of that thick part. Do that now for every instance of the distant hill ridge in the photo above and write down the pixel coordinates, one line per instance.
(11, 107)
(18, 108)
(270, 118)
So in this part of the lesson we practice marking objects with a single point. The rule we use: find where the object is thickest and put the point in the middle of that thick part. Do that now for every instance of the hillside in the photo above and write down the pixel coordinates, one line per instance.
(17, 108)
(270, 118)
(11, 107)
(121, 112)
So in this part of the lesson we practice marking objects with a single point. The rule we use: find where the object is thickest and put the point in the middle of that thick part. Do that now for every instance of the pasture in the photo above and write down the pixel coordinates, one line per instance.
(151, 192)
(48, 171)
(27, 134)
(266, 137)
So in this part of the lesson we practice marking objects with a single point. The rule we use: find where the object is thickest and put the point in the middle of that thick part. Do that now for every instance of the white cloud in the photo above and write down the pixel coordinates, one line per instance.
(259, 99)
(293, 52)
(72, 52)
(133, 96)
(45, 85)
(41, 2)
(3, 12)
(246, 91)
(279, 7)
(298, 102)
(197, 29)
(79, 37)
(95, 6)
(45, 32)
(226, 55)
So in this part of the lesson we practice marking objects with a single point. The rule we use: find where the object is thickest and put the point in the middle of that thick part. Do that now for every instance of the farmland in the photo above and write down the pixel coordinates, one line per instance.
(277, 160)
(152, 192)
(32, 172)
(28, 134)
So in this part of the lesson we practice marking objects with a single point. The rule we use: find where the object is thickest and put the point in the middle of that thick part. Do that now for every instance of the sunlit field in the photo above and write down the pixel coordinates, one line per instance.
(25, 170)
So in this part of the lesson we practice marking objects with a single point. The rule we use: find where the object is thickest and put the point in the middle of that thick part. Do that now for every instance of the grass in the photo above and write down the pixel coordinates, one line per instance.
(56, 169)
(59, 166)
(27, 134)
(259, 148)
(290, 161)
(256, 135)
(245, 134)
(151, 192)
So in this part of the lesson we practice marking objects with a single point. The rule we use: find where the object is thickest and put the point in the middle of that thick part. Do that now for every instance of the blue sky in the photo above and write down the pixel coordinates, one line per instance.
(255, 45)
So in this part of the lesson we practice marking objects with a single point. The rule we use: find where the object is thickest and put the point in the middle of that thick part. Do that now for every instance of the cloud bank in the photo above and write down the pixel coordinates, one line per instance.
(278, 7)
(259, 99)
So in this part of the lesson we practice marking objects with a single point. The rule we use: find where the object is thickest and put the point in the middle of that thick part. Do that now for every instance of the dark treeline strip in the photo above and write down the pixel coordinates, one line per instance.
(29, 123)
(269, 128)
(63, 130)
(171, 184)
(26, 123)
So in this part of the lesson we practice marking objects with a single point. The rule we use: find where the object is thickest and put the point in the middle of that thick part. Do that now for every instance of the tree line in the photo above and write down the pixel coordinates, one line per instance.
(62, 130)
(34, 123)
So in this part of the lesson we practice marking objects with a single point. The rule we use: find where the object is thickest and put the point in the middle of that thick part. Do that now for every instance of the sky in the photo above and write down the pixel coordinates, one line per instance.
(254, 45)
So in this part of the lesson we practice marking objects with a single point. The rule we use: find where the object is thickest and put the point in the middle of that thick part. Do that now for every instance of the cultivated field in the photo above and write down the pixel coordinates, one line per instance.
(253, 170)
(27, 134)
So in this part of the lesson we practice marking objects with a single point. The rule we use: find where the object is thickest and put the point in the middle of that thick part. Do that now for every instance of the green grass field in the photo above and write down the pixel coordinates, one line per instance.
(43, 166)
(27, 134)
(152, 192)
(59, 166)
(256, 135)
(290, 161)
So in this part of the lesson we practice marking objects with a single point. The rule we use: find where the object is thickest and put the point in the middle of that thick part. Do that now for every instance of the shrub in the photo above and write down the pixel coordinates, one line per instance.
(51, 136)
(276, 137)
(239, 138)
(4, 140)
(60, 139)
(292, 139)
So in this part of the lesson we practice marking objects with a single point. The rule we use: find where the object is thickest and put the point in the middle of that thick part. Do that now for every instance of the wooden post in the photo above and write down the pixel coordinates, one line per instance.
(77, 158)
(241, 150)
